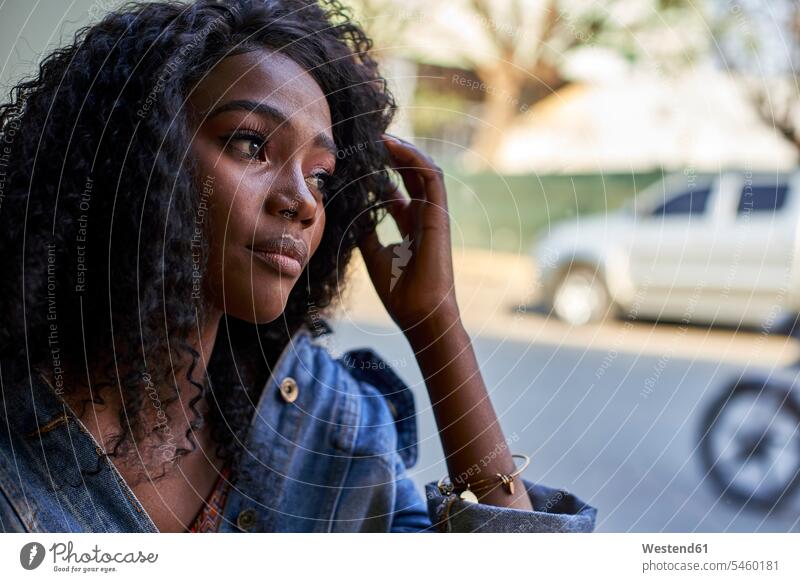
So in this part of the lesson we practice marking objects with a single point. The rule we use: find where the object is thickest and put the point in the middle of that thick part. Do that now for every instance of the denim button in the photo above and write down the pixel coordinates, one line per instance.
(246, 519)
(289, 389)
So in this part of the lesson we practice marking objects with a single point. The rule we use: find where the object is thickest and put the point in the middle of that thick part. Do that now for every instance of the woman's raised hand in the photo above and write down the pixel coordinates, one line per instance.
(414, 278)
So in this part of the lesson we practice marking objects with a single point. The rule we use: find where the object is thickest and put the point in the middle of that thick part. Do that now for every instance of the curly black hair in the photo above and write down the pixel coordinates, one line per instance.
(98, 199)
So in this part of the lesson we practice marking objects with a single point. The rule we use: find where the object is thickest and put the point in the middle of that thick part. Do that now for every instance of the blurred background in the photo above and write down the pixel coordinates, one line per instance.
(624, 194)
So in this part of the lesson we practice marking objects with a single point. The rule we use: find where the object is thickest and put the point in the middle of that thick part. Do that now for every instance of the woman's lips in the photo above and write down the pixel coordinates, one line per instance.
(282, 263)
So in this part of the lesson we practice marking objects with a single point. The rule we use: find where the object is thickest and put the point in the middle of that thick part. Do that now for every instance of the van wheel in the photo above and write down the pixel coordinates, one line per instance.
(580, 296)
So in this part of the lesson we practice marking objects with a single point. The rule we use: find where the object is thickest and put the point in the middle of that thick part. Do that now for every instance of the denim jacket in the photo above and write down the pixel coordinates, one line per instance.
(328, 450)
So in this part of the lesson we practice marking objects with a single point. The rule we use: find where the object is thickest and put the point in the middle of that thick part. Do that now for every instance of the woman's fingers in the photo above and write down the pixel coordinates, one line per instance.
(428, 194)
(411, 180)
(425, 184)
(411, 160)
(398, 205)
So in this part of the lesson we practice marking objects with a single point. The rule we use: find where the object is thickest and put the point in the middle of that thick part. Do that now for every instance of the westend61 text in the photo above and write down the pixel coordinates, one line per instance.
(671, 549)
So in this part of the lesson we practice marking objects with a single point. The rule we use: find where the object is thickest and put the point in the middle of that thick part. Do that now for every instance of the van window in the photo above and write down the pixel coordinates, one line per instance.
(692, 202)
(763, 198)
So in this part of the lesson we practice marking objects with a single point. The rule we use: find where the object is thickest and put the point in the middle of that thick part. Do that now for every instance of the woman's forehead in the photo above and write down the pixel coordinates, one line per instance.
(269, 77)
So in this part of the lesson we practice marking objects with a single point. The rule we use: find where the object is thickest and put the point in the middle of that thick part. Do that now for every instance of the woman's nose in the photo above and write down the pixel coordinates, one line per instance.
(291, 198)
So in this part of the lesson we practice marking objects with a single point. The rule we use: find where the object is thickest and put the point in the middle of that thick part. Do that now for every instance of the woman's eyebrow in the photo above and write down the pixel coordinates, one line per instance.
(264, 109)
(324, 142)
(276, 115)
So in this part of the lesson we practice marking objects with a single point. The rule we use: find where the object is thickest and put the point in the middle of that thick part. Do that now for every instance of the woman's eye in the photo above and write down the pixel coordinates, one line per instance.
(318, 182)
(250, 147)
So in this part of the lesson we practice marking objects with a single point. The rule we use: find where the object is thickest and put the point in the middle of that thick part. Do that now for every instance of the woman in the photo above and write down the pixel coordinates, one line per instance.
(183, 189)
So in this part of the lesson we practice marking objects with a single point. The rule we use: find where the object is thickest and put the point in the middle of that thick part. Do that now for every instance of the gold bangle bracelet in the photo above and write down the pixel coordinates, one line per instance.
(446, 486)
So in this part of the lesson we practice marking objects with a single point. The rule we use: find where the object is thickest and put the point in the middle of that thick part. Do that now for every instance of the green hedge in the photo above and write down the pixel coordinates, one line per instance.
(507, 212)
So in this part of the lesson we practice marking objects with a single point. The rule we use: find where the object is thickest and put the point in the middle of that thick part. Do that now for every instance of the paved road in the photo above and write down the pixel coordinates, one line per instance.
(615, 427)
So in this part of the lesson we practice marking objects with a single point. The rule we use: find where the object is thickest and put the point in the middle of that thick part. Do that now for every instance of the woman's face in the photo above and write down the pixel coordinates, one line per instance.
(264, 148)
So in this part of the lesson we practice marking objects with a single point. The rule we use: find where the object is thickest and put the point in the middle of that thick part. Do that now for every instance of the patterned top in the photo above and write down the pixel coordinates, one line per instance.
(209, 517)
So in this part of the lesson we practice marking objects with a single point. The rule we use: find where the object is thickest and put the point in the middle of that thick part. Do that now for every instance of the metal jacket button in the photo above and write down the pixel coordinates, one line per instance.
(289, 389)
(246, 519)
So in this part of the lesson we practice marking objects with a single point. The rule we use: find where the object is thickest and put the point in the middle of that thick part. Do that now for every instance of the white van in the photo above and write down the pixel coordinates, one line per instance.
(706, 249)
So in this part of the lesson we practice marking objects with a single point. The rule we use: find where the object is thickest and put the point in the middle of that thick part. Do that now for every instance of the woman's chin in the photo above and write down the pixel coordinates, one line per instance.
(263, 318)
(258, 314)
(257, 310)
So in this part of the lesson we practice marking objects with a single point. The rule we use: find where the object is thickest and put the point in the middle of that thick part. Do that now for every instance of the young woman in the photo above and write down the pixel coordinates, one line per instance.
(182, 191)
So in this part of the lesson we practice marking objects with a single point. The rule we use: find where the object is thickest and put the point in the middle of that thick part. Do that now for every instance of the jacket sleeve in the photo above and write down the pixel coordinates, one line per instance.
(554, 510)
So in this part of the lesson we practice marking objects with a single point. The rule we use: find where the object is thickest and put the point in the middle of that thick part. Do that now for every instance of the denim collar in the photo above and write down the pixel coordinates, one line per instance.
(51, 444)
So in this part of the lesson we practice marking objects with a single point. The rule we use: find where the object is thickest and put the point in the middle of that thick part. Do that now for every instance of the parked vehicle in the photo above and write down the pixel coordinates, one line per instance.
(750, 440)
(703, 249)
